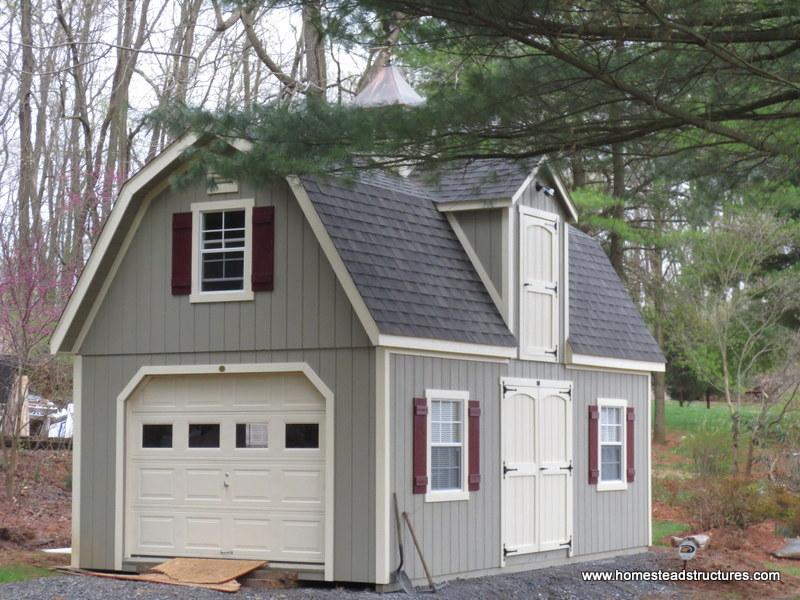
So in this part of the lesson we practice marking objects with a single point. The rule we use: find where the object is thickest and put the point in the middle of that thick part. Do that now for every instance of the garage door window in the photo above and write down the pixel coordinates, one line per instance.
(302, 435)
(204, 435)
(156, 436)
(251, 435)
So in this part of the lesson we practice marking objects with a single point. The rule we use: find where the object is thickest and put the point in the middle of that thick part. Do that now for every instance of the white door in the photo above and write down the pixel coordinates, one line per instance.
(228, 465)
(537, 468)
(539, 281)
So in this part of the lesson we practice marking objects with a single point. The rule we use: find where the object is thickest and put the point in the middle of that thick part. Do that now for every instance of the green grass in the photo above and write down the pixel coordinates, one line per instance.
(12, 573)
(788, 569)
(662, 529)
(695, 417)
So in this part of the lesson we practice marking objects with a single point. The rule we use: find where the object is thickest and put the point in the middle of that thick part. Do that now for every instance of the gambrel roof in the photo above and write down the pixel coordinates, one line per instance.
(403, 268)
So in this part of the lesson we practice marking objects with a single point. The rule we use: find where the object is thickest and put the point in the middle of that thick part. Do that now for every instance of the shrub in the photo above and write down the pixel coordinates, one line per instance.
(730, 502)
(710, 452)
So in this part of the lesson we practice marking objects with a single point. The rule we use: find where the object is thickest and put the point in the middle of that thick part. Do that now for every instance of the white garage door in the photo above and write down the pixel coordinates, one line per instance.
(226, 465)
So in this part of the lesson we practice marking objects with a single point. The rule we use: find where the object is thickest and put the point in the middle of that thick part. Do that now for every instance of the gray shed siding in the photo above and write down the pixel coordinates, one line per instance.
(484, 230)
(463, 537)
(306, 318)
(541, 201)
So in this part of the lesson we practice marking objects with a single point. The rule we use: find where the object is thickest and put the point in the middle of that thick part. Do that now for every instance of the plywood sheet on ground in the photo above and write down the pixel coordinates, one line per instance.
(207, 570)
(228, 586)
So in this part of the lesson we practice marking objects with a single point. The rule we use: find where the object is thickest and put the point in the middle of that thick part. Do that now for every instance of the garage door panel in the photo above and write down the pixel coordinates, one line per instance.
(252, 485)
(156, 532)
(250, 497)
(302, 539)
(301, 487)
(204, 484)
(155, 484)
(203, 533)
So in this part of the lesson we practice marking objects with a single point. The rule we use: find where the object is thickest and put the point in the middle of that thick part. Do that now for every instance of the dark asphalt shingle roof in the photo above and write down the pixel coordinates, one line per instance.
(406, 262)
(603, 320)
(483, 179)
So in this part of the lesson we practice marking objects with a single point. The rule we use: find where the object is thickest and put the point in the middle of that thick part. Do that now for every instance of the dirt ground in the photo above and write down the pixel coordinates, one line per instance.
(39, 515)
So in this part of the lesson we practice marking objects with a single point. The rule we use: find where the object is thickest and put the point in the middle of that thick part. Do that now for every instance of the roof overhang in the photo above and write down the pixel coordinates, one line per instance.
(459, 205)
(620, 364)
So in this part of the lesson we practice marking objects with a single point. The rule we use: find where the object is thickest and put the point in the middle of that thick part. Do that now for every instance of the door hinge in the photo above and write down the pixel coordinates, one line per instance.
(507, 470)
(507, 551)
(507, 389)
(569, 468)
(553, 352)
(568, 545)
(566, 392)
(552, 288)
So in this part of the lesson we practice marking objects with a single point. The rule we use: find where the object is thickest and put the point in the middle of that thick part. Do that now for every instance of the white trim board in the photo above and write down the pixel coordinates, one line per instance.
(622, 364)
(383, 465)
(77, 439)
(398, 342)
(166, 370)
(459, 205)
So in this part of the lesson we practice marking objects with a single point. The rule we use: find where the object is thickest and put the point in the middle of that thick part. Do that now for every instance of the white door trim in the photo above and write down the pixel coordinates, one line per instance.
(161, 370)
(533, 386)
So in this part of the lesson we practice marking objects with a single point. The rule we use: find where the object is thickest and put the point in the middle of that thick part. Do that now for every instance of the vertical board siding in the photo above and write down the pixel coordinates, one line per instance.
(350, 373)
(459, 537)
(307, 317)
(484, 230)
(541, 201)
(140, 315)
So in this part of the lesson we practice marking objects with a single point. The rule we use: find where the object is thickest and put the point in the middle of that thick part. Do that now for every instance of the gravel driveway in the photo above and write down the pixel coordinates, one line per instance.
(553, 583)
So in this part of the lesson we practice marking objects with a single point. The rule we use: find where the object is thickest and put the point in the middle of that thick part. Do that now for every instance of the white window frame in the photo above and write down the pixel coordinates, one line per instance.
(198, 209)
(463, 493)
(622, 483)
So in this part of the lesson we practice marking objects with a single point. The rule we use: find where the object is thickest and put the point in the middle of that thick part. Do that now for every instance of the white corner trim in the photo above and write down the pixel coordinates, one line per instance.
(649, 438)
(459, 205)
(622, 364)
(622, 484)
(449, 495)
(77, 406)
(197, 209)
(127, 192)
(498, 300)
(382, 467)
(328, 247)
(161, 370)
(398, 342)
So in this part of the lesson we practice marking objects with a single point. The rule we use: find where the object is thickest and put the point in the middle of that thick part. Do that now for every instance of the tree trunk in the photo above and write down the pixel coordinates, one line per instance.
(27, 176)
(616, 245)
(314, 40)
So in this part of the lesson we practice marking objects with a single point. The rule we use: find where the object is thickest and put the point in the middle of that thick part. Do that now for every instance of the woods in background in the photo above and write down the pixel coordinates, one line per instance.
(668, 117)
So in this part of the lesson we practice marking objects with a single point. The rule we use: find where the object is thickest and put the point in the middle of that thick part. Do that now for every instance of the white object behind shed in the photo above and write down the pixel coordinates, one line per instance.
(388, 87)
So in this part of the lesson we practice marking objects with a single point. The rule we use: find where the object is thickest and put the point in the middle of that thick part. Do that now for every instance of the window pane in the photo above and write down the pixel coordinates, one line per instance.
(445, 422)
(212, 220)
(251, 435)
(204, 435)
(234, 219)
(446, 468)
(302, 435)
(156, 436)
(611, 415)
(611, 463)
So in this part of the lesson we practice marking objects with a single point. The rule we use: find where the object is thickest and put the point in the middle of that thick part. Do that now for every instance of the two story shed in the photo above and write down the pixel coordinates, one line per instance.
(259, 368)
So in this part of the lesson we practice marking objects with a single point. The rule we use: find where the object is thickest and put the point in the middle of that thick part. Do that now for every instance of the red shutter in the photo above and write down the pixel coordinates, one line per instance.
(420, 445)
(629, 445)
(263, 248)
(181, 253)
(594, 420)
(474, 445)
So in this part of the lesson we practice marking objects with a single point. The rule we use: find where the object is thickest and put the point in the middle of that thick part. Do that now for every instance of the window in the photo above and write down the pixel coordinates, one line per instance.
(222, 250)
(302, 435)
(156, 436)
(446, 445)
(204, 435)
(251, 435)
(612, 444)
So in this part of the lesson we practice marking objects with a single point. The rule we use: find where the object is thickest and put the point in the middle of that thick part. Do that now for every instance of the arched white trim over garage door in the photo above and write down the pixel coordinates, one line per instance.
(207, 493)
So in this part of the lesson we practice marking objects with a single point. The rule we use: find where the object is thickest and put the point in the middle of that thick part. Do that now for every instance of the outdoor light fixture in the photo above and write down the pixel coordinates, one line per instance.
(548, 191)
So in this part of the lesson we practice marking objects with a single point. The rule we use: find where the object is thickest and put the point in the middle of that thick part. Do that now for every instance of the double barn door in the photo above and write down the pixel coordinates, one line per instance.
(536, 467)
